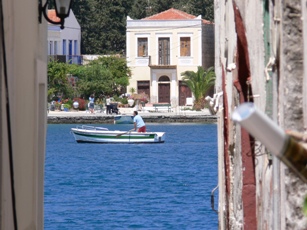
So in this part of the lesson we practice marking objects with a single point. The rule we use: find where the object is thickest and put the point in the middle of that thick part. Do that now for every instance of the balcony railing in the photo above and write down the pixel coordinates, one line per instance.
(71, 59)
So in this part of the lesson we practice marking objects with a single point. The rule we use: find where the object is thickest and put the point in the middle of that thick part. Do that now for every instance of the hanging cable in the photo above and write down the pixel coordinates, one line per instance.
(8, 116)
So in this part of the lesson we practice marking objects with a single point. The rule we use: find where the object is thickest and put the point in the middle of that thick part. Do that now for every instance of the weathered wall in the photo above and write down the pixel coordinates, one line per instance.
(291, 103)
(208, 45)
(259, 58)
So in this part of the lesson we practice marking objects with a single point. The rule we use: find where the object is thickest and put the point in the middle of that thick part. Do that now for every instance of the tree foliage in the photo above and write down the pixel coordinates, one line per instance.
(103, 25)
(58, 85)
(83, 12)
(105, 76)
(103, 22)
(200, 83)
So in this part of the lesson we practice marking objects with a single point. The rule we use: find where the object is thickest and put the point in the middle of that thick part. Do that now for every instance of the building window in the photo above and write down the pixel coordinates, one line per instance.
(55, 48)
(70, 47)
(185, 46)
(144, 87)
(164, 51)
(75, 47)
(64, 46)
(50, 48)
(70, 51)
(142, 47)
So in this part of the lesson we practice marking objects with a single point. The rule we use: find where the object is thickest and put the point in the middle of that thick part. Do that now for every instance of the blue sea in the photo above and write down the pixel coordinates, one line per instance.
(132, 186)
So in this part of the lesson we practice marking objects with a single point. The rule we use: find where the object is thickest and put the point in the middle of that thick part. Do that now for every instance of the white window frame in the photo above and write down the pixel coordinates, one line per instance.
(142, 35)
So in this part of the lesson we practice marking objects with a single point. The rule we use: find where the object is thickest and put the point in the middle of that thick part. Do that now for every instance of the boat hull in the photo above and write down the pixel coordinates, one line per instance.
(107, 136)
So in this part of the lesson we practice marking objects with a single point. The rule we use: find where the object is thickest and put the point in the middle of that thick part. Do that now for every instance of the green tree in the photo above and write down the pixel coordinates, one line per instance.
(105, 29)
(58, 84)
(106, 76)
(140, 9)
(96, 81)
(158, 6)
(205, 8)
(200, 83)
(83, 11)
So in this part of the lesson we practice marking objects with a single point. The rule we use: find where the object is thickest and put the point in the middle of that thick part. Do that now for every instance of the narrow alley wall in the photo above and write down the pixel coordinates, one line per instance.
(259, 58)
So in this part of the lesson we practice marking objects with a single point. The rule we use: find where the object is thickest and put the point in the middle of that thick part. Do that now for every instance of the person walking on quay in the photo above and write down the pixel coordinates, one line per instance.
(91, 106)
(108, 103)
(139, 124)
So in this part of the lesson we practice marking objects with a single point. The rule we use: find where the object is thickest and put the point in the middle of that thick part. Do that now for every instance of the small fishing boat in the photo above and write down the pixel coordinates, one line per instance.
(92, 134)
(123, 119)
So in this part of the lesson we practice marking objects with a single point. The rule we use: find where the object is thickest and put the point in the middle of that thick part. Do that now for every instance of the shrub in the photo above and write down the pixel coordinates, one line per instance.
(67, 106)
(116, 98)
(57, 105)
(82, 103)
(124, 101)
(68, 102)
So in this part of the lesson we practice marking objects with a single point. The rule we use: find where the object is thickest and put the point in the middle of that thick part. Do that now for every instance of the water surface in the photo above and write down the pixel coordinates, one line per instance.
(132, 186)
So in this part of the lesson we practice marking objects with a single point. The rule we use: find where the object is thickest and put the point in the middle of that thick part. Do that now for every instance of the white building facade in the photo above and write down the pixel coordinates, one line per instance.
(161, 47)
(64, 45)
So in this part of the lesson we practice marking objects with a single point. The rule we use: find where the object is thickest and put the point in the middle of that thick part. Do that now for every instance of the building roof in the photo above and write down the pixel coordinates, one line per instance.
(52, 16)
(173, 14)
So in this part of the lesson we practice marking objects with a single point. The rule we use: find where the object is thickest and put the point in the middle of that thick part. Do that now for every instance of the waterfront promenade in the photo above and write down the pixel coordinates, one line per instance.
(83, 117)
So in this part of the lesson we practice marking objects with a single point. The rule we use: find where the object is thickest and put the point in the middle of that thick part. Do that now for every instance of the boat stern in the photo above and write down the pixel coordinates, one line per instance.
(160, 137)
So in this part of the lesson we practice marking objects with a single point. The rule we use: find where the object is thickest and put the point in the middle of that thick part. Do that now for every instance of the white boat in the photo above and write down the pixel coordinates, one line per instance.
(94, 134)
(123, 119)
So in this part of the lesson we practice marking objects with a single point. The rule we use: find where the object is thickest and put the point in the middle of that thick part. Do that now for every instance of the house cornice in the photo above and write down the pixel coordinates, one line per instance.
(195, 23)
(163, 66)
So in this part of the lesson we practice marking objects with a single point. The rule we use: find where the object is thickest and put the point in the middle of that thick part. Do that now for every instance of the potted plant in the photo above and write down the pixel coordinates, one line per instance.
(132, 90)
(67, 107)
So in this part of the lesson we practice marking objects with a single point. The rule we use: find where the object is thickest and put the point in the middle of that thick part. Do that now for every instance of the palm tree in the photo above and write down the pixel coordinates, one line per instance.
(200, 83)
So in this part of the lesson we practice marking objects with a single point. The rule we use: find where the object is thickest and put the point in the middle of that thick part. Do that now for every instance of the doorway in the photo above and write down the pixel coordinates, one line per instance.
(184, 92)
(164, 93)
(164, 89)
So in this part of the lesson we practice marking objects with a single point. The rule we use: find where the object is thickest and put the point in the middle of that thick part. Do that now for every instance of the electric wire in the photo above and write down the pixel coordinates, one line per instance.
(8, 116)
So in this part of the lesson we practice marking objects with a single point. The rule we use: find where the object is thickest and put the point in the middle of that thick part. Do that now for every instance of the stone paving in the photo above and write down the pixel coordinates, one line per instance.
(78, 117)
(129, 111)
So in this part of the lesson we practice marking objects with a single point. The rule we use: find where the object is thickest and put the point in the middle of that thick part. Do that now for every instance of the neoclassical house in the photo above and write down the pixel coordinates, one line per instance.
(161, 47)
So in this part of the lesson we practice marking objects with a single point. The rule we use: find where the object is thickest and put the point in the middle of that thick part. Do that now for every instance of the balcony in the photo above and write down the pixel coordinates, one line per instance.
(70, 59)
(160, 65)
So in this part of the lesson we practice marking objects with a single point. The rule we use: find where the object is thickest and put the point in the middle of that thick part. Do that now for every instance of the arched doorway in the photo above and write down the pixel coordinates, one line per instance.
(164, 89)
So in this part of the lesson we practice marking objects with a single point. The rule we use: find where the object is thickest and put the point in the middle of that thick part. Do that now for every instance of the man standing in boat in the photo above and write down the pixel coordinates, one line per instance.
(139, 124)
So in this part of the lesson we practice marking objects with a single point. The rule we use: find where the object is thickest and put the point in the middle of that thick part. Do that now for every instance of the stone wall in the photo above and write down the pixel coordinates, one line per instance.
(147, 119)
(259, 58)
(291, 104)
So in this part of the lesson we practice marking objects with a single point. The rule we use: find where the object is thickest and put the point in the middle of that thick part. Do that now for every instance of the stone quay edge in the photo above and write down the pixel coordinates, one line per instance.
(81, 117)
